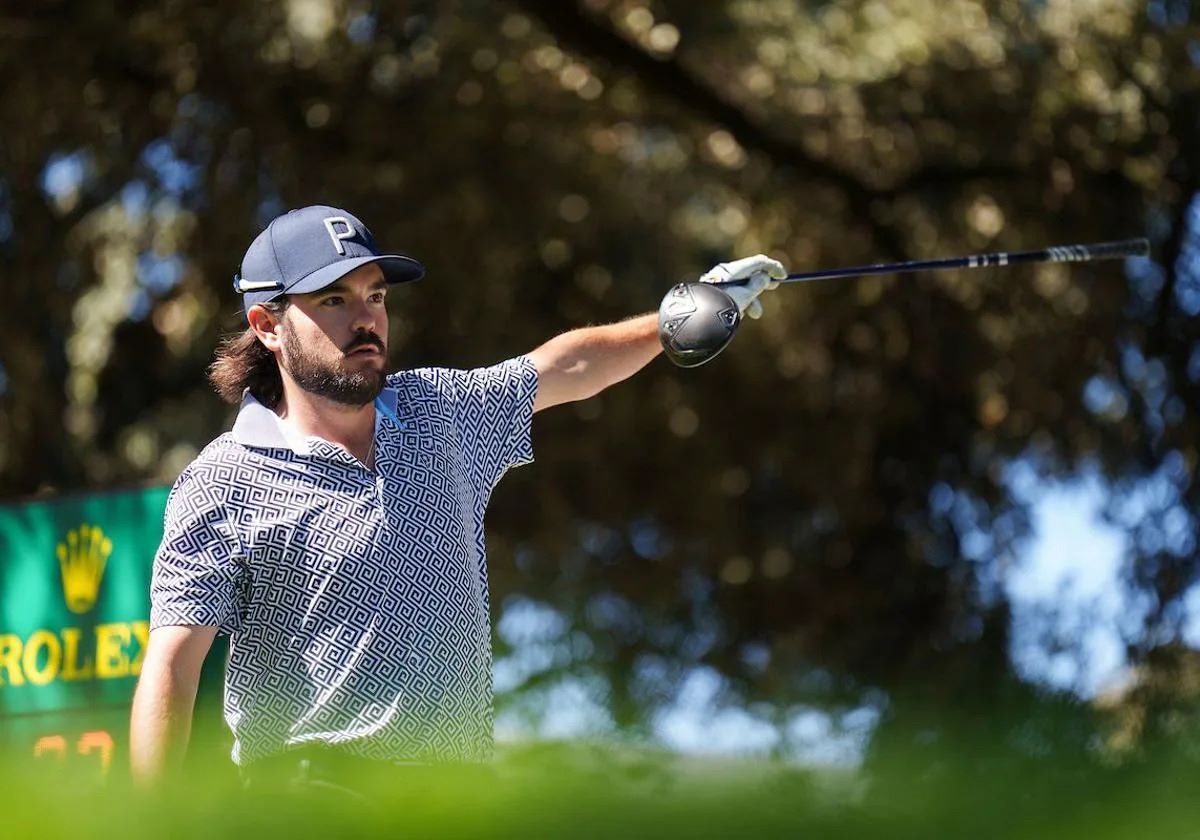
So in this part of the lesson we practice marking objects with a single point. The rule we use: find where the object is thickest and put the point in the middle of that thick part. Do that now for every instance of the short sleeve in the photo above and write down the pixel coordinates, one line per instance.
(196, 577)
(494, 416)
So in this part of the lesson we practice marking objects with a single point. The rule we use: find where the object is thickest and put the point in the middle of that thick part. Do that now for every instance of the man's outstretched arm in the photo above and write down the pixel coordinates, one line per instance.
(582, 363)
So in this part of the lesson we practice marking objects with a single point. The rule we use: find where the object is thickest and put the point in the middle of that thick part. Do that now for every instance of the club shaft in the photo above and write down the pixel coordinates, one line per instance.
(1062, 253)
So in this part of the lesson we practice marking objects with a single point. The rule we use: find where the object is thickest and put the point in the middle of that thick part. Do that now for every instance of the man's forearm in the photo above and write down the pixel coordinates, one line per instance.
(161, 718)
(582, 363)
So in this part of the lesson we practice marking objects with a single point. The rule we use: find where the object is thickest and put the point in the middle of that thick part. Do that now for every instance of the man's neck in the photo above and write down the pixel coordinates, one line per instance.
(351, 427)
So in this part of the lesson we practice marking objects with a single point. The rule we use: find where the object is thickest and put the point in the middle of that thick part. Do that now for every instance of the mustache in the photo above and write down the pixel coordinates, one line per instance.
(366, 340)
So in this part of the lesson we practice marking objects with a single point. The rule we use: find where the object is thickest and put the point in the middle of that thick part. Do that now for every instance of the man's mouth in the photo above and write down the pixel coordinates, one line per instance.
(370, 345)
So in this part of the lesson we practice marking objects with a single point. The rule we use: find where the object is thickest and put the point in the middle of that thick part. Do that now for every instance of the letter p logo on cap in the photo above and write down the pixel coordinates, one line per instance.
(348, 233)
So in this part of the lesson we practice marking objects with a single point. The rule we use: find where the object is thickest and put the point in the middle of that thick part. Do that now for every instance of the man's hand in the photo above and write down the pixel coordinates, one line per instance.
(757, 273)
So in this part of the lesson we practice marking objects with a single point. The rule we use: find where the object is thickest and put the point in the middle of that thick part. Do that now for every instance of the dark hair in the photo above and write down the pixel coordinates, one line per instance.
(242, 362)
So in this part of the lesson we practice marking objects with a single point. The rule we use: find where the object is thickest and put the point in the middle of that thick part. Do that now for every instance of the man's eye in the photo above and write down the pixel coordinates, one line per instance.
(331, 301)
(378, 297)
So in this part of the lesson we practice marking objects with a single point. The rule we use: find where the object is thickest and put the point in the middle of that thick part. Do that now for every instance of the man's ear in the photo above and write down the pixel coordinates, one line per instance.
(266, 326)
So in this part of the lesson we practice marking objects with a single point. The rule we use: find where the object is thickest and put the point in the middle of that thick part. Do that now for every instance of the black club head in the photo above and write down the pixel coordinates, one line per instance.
(695, 323)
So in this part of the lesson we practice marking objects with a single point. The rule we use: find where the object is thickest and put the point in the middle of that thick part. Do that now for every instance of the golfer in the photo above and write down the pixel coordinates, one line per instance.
(336, 532)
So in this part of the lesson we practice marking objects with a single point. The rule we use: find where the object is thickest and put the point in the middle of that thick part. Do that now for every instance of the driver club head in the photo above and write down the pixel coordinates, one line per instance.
(695, 323)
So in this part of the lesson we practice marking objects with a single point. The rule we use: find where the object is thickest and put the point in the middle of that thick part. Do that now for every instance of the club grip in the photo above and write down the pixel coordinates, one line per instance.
(1100, 251)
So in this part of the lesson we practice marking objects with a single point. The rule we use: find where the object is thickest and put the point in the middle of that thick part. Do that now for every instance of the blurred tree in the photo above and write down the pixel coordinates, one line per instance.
(820, 515)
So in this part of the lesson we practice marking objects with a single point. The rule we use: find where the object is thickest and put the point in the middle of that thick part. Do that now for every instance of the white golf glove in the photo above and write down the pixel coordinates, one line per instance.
(757, 272)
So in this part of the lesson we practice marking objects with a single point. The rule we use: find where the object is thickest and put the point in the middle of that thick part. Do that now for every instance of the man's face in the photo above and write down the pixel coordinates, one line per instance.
(334, 342)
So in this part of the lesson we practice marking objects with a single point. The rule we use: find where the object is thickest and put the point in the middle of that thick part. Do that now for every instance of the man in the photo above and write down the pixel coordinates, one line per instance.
(336, 532)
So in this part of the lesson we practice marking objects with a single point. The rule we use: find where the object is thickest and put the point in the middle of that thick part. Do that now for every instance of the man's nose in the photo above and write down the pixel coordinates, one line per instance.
(365, 317)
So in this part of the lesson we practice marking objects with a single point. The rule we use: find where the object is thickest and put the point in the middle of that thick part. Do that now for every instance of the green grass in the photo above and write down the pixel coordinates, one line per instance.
(583, 791)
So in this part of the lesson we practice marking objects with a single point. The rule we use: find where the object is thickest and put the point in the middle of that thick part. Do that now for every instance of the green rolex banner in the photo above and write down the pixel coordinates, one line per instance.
(74, 599)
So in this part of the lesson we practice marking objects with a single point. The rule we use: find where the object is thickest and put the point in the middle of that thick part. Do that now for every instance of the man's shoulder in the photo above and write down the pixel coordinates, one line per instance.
(441, 379)
(223, 462)
(223, 449)
(425, 385)
(422, 379)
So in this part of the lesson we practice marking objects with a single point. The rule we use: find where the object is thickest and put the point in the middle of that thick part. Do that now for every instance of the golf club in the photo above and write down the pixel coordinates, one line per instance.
(696, 321)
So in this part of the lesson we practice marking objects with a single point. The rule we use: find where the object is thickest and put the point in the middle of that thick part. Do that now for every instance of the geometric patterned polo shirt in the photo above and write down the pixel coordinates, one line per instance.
(356, 601)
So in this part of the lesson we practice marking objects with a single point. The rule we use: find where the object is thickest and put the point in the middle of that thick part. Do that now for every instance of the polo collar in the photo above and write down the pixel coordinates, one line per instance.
(258, 427)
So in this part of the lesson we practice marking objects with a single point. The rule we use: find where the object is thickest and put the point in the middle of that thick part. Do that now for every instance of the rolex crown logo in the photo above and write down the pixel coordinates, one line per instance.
(82, 557)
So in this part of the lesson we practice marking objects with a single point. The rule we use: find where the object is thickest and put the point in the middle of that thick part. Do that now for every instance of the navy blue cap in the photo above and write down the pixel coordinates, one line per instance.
(306, 250)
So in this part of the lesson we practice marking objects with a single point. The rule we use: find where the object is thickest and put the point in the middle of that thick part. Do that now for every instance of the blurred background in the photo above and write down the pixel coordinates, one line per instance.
(895, 511)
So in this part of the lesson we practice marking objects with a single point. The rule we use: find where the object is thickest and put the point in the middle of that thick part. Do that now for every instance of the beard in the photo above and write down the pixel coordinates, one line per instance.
(329, 380)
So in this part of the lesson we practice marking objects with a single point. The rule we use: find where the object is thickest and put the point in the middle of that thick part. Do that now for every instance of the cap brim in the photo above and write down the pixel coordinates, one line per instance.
(396, 269)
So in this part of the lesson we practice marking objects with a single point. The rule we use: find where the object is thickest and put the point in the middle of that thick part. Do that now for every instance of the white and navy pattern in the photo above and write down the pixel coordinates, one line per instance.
(356, 602)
